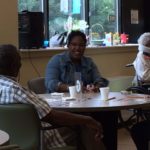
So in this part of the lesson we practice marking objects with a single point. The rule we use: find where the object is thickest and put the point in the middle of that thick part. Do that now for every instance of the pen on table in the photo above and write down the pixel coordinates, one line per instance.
(111, 98)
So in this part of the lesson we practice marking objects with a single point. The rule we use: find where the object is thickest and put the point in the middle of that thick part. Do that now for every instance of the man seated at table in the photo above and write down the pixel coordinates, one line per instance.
(11, 92)
(60, 74)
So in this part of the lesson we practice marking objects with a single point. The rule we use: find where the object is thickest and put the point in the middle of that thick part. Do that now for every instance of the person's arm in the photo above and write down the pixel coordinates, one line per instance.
(62, 87)
(52, 74)
(92, 88)
(70, 119)
(52, 77)
(51, 116)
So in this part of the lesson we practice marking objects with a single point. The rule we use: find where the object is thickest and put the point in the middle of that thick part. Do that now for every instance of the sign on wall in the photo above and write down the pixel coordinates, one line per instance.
(134, 16)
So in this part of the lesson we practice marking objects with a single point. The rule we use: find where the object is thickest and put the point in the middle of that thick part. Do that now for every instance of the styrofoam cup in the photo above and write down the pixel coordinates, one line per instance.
(72, 91)
(104, 91)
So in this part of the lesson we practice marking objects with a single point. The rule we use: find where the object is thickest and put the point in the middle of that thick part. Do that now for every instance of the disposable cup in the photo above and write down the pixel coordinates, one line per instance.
(72, 91)
(104, 91)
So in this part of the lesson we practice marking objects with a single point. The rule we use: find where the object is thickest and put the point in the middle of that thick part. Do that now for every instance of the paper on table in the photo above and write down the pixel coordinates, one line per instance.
(57, 94)
(55, 103)
(69, 99)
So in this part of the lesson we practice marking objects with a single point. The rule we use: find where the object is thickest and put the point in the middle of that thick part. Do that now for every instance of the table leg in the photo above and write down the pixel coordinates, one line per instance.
(109, 121)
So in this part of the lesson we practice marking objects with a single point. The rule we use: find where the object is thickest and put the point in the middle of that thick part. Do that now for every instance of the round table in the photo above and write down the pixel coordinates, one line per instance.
(4, 138)
(93, 102)
(105, 112)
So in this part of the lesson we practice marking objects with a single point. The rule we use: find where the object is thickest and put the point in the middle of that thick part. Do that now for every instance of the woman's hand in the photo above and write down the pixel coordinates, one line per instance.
(92, 88)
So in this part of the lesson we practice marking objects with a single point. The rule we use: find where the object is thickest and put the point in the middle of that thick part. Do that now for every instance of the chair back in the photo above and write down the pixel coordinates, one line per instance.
(22, 123)
(120, 83)
(37, 85)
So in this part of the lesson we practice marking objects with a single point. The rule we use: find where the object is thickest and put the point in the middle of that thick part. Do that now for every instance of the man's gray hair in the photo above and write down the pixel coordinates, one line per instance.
(144, 39)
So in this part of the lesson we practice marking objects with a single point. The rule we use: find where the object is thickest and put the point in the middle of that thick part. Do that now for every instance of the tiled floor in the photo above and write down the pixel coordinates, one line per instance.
(124, 139)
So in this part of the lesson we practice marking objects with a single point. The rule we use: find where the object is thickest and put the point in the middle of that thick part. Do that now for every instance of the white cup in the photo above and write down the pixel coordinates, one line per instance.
(72, 91)
(104, 93)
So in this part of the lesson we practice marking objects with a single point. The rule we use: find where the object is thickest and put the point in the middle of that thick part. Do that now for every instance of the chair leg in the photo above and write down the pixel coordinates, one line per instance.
(136, 117)
(122, 123)
(41, 140)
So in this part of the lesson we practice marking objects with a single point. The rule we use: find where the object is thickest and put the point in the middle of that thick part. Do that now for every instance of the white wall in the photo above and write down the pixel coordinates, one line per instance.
(8, 22)
(110, 61)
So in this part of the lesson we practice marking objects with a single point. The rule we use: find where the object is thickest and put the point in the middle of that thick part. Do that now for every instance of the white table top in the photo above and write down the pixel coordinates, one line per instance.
(4, 138)
(93, 102)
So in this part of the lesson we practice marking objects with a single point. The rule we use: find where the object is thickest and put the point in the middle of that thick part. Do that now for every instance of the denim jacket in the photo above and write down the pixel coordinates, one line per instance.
(60, 69)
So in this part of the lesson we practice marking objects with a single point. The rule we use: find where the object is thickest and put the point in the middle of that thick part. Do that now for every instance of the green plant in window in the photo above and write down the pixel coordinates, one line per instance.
(30, 5)
(80, 25)
(74, 24)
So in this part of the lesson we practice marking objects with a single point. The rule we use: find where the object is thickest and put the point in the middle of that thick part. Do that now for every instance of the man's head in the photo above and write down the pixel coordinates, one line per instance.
(76, 43)
(144, 43)
(144, 39)
(10, 61)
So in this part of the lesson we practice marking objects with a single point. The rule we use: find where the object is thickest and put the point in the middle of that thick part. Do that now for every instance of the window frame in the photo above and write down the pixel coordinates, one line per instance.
(86, 16)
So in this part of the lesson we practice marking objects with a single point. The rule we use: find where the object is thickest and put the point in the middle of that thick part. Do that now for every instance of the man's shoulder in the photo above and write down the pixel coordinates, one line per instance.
(5, 81)
(9, 83)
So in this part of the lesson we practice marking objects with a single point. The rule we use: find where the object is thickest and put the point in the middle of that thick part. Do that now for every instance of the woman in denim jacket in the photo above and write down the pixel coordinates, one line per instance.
(60, 74)
(62, 67)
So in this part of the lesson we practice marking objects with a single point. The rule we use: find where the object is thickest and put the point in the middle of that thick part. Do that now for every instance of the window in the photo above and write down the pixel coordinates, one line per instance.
(30, 5)
(64, 15)
(99, 16)
(103, 17)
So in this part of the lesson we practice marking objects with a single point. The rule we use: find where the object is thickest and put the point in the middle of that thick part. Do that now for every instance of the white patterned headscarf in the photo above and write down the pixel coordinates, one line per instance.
(144, 42)
(143, 48)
